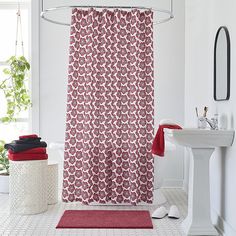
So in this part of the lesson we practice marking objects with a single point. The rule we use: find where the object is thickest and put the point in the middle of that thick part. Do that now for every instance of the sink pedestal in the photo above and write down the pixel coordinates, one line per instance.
(198, 220)
(202, 144)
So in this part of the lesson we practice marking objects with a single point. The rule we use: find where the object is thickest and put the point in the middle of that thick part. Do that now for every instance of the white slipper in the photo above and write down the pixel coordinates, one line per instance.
(159, 213)
(174, 212)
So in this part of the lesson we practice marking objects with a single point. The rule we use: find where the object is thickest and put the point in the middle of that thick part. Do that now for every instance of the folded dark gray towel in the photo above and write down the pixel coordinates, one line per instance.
(19, 147)
(27, 140)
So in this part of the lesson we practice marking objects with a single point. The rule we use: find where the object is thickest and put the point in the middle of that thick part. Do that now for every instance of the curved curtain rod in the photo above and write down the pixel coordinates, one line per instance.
(44, 12)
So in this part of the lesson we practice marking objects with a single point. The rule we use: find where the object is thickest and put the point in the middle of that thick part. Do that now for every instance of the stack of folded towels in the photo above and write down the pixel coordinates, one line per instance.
(28, 147)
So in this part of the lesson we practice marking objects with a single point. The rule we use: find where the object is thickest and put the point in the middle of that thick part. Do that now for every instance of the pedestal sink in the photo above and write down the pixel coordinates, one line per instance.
(202, 144)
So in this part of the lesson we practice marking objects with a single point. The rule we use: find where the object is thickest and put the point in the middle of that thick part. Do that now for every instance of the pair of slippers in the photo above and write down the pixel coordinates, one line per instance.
(161, 212)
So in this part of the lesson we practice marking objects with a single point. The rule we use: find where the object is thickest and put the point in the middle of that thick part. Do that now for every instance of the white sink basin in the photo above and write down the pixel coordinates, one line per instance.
(200, 138)
(201, 144)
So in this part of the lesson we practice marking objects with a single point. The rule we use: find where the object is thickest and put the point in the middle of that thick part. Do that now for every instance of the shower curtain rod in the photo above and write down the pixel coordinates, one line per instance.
(45, 12)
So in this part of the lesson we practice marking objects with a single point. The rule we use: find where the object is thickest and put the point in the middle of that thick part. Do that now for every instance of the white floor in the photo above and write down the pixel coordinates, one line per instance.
(44, 224)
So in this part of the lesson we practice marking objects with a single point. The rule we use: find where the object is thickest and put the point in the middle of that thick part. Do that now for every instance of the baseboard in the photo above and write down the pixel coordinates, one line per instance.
(223, 227)
(172, 183)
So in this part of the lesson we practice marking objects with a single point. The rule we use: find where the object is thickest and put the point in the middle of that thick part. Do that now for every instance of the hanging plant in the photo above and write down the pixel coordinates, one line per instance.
(16, 94)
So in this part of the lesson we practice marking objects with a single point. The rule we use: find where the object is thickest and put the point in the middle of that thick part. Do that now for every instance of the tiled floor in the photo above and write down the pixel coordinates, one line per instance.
(44, 224)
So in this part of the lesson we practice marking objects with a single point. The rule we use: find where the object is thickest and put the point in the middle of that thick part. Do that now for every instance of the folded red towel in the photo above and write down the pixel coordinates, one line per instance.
(27, 157)
(39, 150)
(158, 146)
(28, 136)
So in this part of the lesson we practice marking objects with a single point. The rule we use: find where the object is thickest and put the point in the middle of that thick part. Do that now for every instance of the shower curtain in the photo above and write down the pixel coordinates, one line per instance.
(109, 118)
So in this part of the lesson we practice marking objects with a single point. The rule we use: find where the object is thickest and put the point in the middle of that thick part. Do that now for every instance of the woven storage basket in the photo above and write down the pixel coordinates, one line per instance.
(28, 187)
(52, 183)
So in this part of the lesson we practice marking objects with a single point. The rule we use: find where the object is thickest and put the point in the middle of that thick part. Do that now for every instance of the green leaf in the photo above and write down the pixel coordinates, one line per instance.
(6, 71)
(5, 119)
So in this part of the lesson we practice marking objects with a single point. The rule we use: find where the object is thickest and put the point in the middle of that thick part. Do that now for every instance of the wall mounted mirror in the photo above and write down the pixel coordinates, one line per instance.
(222, 65)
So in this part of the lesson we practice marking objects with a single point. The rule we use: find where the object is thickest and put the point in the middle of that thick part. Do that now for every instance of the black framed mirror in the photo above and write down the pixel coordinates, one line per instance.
(222, 65)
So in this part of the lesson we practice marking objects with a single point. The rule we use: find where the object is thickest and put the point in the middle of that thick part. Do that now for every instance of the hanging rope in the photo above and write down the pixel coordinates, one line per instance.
(19, 31)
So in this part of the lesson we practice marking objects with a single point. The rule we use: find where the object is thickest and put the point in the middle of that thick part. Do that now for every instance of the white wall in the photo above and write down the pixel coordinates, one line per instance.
(202, 21)
(169, 86)
(169, 76)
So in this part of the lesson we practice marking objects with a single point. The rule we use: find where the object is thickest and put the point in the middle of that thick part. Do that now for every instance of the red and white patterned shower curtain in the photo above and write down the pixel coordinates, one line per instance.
(109, 123)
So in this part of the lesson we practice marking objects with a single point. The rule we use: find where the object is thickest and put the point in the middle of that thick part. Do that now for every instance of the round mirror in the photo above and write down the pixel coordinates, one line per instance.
(222, 65)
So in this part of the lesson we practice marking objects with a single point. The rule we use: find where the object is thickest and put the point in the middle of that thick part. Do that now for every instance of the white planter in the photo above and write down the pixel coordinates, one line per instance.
(4, 183)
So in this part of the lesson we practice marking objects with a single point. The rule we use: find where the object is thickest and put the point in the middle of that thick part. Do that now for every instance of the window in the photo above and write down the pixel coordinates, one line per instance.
(8, 23)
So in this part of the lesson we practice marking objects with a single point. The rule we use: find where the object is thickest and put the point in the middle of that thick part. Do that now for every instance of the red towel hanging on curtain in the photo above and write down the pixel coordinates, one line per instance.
(158, 146)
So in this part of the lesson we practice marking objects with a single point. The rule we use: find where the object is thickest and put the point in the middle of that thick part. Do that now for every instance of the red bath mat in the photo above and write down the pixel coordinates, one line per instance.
(105, 219)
